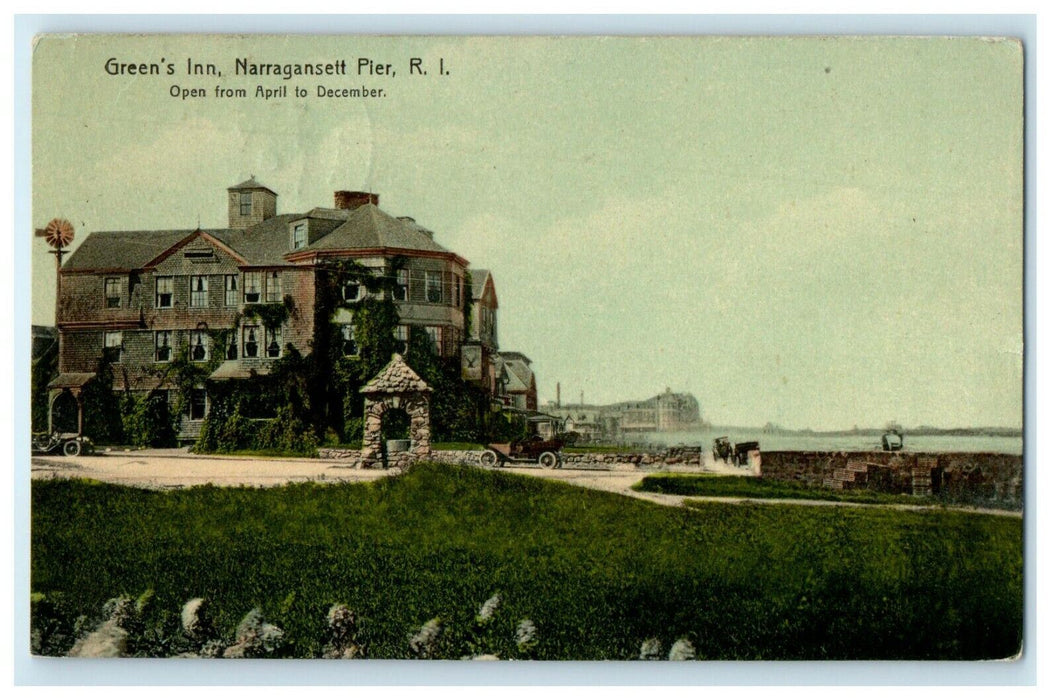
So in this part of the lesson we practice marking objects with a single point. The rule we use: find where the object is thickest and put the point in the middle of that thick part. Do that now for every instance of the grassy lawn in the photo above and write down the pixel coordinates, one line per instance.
(598, 573)
(750, 487)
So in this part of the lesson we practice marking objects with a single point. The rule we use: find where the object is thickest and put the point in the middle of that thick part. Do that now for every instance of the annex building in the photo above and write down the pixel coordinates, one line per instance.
(144, 297)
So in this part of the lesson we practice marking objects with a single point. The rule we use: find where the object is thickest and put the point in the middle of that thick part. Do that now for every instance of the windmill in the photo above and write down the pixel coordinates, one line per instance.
(59, 235)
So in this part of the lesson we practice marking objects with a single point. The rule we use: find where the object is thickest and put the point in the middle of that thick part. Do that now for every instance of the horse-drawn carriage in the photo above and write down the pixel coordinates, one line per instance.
(737, 454)
(532, 450)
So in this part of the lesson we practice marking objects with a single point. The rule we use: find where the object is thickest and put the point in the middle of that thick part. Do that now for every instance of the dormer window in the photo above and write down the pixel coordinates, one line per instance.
(245, 203)
(299, 236)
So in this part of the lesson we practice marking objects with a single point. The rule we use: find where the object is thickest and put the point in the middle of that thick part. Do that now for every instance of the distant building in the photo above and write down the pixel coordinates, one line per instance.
(664, 412)
(517, 381)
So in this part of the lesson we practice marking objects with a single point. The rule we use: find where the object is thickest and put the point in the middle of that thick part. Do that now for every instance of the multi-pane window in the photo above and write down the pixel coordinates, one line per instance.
(400, 291)
(199, 346)
(232, 351)
(436, 338)
(401, 334)
(231, 290)
(251, 341)
(199, 291)
(198, 406)
(349, 346)
(245, 203)
(163, 346)
(112, 290)
(163, 292)
(274, 348)
(351, 290)
(433, 287)
(300, 237)
(273, 288)
(252, 287)
(112, 345)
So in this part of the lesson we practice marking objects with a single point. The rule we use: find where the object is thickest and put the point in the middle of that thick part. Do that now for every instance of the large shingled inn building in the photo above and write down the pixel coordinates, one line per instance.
(144, 296)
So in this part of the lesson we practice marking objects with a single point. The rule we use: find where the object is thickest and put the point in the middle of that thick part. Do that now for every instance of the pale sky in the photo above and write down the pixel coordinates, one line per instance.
(813, 232)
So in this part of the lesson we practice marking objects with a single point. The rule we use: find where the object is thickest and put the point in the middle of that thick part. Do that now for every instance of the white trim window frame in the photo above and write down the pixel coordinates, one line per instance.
(299, 236)
(434, 287)
(251, 286)
(163, 346)
(111, 340)
(273, 287)
(350, 348)
(199, 287)
(400, 290)
(198, 346)
(112, 292)
(231, 290)
(436, 334)
(163, 292)
(251, 341)
(274, 343)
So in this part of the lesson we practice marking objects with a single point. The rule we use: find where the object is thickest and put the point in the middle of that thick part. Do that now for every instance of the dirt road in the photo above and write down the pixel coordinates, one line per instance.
(172, 469)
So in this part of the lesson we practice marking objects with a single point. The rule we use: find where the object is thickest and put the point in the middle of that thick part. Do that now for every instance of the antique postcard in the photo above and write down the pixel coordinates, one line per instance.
(527, 348)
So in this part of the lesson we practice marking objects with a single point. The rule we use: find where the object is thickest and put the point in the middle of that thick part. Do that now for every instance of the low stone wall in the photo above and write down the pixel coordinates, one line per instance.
(466, 457)
(681, 456)
(341, 454)
(958, 476)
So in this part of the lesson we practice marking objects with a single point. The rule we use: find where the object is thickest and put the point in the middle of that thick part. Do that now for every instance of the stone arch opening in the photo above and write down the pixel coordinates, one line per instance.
(394, 391)
(64, 412)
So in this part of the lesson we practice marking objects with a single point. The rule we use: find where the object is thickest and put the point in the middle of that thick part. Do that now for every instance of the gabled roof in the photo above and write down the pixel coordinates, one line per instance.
(125, 250)
(265, 244)
(478, 279)
(519, 374)
(369, 227)
(395, 378)
(251, 184)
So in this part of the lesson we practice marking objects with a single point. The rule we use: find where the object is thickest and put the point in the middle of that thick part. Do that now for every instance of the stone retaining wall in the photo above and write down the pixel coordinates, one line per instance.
(958, 476)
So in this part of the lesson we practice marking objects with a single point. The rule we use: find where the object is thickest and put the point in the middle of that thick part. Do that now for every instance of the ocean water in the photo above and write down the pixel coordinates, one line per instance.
(844, 443)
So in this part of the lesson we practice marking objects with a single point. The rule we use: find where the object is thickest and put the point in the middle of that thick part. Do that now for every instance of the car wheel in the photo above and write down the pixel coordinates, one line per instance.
(547, 460)
(72, 448)
(489, 458)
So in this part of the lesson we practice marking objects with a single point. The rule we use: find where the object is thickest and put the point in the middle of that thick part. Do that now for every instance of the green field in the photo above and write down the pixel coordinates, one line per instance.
(750, 487)
(597, 573)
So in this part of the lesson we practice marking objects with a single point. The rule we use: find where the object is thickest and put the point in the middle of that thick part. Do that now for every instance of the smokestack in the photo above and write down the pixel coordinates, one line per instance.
(345, 199)
(558, 394)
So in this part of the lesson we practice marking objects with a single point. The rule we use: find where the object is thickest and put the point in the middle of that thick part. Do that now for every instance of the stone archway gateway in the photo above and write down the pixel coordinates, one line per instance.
(396, 387)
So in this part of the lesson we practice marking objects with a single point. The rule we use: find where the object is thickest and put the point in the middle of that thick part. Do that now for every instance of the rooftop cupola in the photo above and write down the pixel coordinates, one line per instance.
(250, 203)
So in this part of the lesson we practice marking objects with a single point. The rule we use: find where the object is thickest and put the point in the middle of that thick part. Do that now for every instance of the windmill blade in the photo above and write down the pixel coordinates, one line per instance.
(58, 233)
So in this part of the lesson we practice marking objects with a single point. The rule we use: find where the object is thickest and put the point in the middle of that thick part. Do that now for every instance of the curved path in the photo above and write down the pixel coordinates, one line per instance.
(176, 468)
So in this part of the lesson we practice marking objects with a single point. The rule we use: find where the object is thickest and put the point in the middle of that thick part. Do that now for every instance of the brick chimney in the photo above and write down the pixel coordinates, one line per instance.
(344, 199)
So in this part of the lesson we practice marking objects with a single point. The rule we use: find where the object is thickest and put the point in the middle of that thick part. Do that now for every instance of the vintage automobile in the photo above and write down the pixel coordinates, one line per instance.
(61, 443)
(546, 453)
(722, 450)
